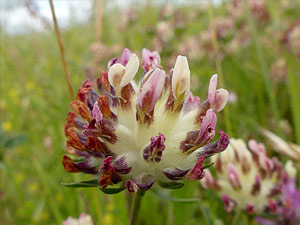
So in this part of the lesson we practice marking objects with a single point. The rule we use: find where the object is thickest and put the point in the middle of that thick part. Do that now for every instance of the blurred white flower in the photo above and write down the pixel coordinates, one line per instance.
(82, 220)
(245, 179)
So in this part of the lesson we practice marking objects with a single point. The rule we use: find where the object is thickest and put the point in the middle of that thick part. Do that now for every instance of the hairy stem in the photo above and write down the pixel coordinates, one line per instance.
(62, 50)
(135, 206)
(237, 217)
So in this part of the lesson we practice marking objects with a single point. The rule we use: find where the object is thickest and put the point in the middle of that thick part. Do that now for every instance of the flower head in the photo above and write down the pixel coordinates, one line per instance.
(287, 207)
(245, 179)
(137, 135)
(151, 59)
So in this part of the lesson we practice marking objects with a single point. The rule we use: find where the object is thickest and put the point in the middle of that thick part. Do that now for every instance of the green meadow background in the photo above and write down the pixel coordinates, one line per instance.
(35, 101)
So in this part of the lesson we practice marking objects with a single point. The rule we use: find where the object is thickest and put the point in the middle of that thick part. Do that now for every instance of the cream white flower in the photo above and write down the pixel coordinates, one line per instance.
(157, 132)
(245, 179)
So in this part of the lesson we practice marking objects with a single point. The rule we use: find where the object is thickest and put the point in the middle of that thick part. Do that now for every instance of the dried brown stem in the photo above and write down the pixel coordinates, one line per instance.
(62, 51)
(99, 20)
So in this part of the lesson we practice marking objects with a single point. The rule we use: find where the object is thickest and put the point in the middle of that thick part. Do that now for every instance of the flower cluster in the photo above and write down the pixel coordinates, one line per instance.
(246, 179)
(287, 208)
(138, 134)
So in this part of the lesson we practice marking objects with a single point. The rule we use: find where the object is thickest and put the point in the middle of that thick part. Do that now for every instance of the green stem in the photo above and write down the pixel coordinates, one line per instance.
(135, 206)
(236, 218)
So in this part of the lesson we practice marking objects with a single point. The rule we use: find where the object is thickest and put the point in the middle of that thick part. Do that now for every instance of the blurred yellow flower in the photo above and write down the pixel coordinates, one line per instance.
(108, 219)
(6, 125)
(59, 197)
(19, 177)
(2, 104)
(29, 85)
(13, 93)
(44, 216)
(110, 207)
(33, 187)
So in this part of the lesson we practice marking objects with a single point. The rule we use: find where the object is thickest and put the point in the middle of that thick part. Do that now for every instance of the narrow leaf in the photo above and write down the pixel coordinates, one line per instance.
(205, 166)
(170, 185)
(14, 141)
(89, 183)
(112, 191)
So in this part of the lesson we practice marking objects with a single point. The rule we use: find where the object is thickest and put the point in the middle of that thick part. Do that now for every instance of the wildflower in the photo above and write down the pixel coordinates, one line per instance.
(82, 220)
(191, 47)
(287, 210)
(245, 179)
(278, 71)
(151, 59)
(223, 27)
(164, 31)
(139, 134)
(291, 37)
(258, 10)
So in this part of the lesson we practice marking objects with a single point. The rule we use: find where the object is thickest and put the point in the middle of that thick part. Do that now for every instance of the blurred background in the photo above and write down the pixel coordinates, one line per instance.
(254, 46)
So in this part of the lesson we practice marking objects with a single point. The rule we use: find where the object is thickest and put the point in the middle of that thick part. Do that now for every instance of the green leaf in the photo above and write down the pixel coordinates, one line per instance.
(170, 185)
(89, 183)
(205, 166)
(206, 214)
(111, 191)
(179, 200)
(293, 89)
(14, 141)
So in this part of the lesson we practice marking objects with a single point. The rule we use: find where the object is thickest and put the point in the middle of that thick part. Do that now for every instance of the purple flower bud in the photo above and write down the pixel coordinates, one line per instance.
(153, 152)
(151, 91)
(265, 163)
(175, 173)
(250, 208)
(107, 165)
(207, 129)
(151, 60)
(196, 173)
(97, 115)
(215, 147)
(233, 176)
(144, 182)
(121, 166)
(256, 186)
(126, 54)
(108, 173)
(190, 103)
(256, 148)
(208, 181)
(111, 62)
(221, 98)
(228, 203)
(131, 187)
